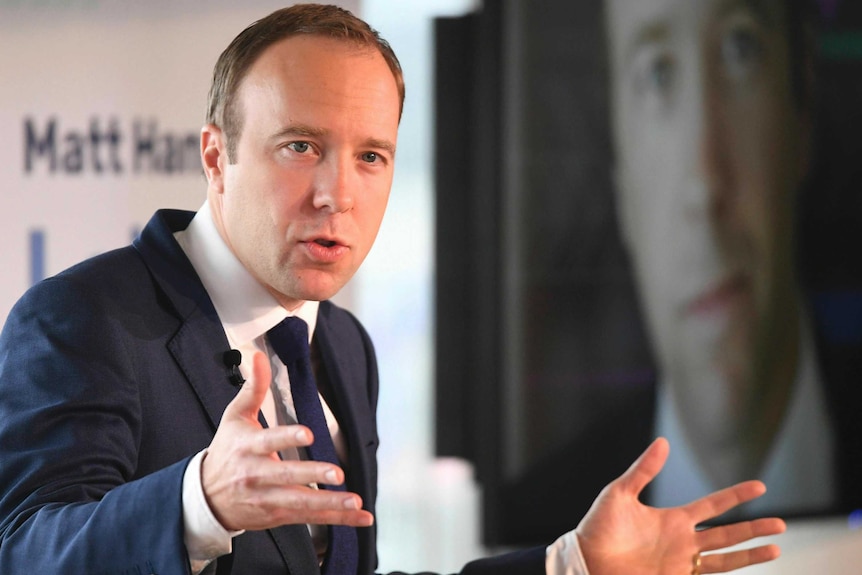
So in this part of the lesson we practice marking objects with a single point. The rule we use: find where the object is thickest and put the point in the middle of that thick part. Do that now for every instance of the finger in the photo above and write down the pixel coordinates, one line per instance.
(645, 467)
(281, 437)
(354, 518)
(299, 504)
(319, 506)
(247, 402)
(359, 518)
(727, 535)
(307, 498)
(724, 500)
(281, 474)
(723, 562)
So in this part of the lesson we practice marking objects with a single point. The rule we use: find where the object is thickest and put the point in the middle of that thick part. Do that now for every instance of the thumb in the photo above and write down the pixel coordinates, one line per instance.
(646, 467)
(247, 402)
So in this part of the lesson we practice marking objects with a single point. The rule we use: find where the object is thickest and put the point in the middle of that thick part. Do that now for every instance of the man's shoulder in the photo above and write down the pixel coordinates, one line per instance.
(110, 285)
(125, 276)
(123, 264)
(114, 263)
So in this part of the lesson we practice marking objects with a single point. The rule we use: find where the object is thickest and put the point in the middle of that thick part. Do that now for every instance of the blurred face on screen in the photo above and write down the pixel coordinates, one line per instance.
(710, 149)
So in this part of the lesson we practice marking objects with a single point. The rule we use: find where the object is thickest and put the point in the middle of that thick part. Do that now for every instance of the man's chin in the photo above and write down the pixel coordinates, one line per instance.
(713, 395)
(306, 291)
(320, 291)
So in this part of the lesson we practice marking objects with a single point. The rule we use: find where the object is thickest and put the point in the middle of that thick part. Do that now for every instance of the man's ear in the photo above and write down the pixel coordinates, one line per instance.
(213, 155)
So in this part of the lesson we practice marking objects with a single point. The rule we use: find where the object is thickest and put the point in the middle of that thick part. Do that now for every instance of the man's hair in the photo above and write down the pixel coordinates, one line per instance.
(301, 19)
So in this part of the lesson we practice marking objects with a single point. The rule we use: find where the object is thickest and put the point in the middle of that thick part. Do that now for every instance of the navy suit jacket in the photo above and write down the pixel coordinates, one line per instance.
(111, 379)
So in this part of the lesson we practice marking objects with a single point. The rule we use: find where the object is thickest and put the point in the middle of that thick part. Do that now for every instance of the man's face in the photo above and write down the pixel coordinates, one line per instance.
(710, 150)
(303, 202)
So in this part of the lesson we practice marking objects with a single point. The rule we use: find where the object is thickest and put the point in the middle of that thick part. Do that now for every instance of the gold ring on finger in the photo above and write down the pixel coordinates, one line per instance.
(695, 564)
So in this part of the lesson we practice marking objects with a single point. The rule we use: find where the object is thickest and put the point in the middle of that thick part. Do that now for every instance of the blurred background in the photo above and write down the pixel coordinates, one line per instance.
(524, 358)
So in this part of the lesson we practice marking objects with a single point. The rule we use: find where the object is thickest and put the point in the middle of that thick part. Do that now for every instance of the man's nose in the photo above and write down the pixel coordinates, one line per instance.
(335, 185)
(710, 170)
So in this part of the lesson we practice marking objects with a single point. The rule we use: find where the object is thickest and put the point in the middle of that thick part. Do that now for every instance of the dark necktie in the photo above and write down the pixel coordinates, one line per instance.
(289, 339)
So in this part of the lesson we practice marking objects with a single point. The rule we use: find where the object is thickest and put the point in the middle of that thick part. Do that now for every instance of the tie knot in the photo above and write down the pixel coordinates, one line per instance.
(289, 339)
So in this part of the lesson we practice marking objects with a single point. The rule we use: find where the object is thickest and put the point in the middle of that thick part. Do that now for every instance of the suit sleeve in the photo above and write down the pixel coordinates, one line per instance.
(70, 431)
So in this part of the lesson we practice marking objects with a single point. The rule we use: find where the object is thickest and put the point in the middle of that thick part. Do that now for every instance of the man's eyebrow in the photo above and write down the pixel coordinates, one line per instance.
(763, 10)
(298, 131)
(652, 32)
(381, 145)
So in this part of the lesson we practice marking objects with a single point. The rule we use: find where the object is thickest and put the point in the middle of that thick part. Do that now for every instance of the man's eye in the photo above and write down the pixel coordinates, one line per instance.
(741, 52)
(370, 157)
(659, 76)
(654, 73)
(299, 147)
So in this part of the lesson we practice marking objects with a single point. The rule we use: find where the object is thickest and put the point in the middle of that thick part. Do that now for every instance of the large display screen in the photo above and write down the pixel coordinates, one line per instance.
(648, 222)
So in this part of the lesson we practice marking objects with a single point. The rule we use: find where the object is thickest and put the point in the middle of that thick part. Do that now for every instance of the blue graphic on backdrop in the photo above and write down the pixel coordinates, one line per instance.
(37, 256)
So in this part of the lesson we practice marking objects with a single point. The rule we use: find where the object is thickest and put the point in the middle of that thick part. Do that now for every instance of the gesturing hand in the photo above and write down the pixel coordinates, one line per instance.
(621, 535)
(249, 487)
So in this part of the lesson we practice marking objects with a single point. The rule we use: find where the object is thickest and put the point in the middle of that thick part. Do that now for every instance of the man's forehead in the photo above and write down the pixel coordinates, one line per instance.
(305, 85)
(308, 57)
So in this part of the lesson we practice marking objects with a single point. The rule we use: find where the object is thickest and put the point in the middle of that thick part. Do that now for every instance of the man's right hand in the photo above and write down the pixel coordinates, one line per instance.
(249, 487)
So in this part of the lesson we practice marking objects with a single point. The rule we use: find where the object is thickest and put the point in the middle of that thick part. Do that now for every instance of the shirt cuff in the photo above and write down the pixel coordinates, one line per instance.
(564, 557)
(204, 536)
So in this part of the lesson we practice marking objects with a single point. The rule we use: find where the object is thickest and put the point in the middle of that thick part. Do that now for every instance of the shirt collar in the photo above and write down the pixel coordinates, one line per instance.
(246, 309)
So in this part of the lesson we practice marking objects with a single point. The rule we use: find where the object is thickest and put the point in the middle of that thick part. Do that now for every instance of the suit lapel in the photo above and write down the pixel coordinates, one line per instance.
(198, 348)
(349, 364)
(346, 373)
(200, 342)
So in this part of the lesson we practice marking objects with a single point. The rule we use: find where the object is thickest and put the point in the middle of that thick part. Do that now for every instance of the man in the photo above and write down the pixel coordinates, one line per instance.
(711, 123)
(126, 446)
